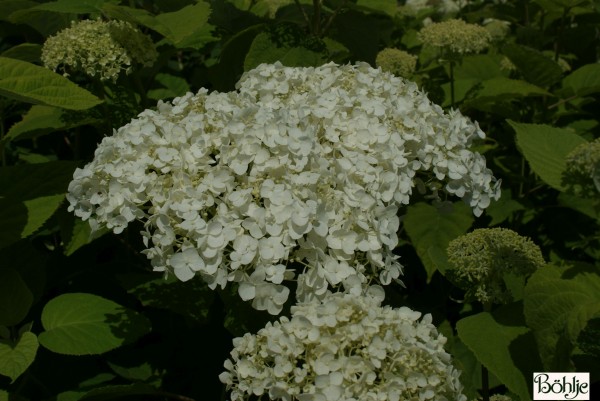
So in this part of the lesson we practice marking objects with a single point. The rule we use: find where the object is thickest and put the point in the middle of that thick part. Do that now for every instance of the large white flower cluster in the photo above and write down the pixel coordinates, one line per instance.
(346, 348)
(298, 167)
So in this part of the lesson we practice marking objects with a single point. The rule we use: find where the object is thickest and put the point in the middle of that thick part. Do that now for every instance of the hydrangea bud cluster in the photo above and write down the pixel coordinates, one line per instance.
(455, 36)
(98, 48)
(298, 167)
(480, 261)
(344, 348)
(396, 61)
(444, 7)
(582, 173)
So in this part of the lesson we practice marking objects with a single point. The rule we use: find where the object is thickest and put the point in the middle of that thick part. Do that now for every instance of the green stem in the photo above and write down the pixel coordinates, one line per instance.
(485, 377)
(452, 84)
(317, 17)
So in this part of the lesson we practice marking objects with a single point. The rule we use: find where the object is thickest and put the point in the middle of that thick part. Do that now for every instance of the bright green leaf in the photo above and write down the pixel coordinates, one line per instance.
(533, 65)
(30, 83)
(584, 81)
(431, 229)
(558, 304)
(546, 148)
(503, 345)
(86, 324)
(15, 298)
(15, 359)
(264, 50)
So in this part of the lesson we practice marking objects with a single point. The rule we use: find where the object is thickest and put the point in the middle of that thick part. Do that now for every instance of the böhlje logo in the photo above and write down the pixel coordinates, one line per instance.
(556, 386)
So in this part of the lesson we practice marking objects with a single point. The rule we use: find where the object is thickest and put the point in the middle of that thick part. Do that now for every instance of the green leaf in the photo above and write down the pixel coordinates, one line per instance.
(584, 81)
(533, 65)
(31, 193)
(16, 358)
(480, 67)
(71, 6)
(30, 83)
(174, 86)
(587, 206)
(389, 7)
(559, 302)
(184, 28)
(546, 148)
(503, 345)
(39, 210)
(15, 298)
(3, 395)
(86, 324)
(500, 87)
(431, 229)
(38, 120)
(119, 391)
(264, 50)
(461, 88)
(503, 209)
(30, 52)
(191, 299)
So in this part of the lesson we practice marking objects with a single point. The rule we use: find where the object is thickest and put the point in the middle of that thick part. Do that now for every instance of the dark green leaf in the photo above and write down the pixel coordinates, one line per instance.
(30, 52)
(533, 65)
(15, 298)
(431, 229)
(264, 50)
(559, 302)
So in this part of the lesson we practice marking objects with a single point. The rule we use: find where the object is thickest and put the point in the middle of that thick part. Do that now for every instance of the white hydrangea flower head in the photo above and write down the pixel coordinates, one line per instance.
(299, 174)
(98, 48)
(345, 347)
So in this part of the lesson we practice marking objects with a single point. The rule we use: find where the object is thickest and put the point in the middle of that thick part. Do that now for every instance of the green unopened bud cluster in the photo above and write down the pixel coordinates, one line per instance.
(397, 62)
(98, 48)
(455, 36)
(481, 260)
(582, 173)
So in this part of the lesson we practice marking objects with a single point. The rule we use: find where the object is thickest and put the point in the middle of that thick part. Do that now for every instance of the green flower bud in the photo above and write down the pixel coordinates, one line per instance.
(397, 62)
(98, 48)
(480, 261)
(582, 174)
(455, 36)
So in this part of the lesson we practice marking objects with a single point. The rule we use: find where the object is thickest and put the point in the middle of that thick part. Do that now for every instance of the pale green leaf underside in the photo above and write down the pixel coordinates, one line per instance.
(546, 148)
(30, 83)
(14, 360)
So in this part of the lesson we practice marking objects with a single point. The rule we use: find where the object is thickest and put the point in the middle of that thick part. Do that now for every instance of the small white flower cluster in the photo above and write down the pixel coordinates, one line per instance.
(298, 167)
(346, 348)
